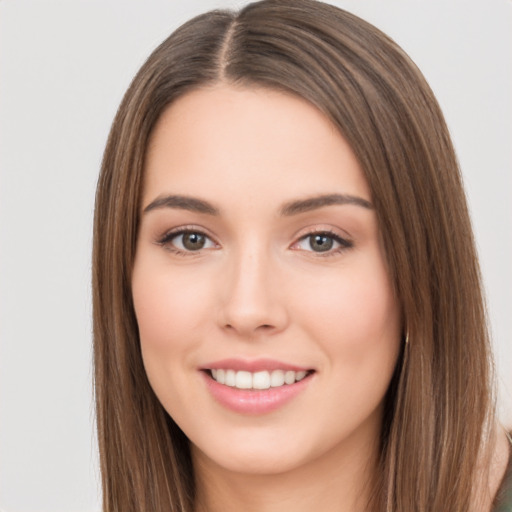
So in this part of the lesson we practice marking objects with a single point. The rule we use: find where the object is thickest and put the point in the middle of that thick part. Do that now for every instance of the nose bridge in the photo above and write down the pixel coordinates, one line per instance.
(251, 301)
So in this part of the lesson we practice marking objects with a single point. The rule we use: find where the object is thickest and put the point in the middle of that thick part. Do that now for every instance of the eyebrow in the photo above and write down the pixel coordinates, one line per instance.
(288, 209)
(182, 203)
(313, 203)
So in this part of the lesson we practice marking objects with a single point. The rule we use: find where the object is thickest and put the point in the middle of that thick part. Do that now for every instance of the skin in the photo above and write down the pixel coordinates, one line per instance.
(259, 289)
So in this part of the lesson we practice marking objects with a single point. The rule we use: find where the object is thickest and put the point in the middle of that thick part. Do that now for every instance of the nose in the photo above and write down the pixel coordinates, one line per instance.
(251, 301)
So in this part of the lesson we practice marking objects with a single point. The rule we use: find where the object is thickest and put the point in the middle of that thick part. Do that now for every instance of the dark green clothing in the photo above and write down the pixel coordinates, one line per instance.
(503, 502)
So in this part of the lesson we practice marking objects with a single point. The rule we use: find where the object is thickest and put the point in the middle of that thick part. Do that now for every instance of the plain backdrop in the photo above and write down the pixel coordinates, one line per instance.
(64, 66)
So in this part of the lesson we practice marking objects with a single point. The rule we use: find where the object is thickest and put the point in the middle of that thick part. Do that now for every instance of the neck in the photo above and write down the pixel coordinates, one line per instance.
(340, 480)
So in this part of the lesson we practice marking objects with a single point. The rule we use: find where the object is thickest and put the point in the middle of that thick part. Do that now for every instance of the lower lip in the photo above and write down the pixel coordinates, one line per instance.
(254, 401)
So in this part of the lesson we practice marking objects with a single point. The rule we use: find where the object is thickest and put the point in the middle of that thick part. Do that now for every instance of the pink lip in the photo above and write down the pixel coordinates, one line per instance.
(254, 402)
(256, 365)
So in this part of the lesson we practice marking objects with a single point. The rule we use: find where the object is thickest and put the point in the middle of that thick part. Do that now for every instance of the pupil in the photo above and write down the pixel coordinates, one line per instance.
(321, 243)
(193, 241)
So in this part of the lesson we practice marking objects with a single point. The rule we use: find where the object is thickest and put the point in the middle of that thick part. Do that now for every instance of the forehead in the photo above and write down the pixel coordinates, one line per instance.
(226, 141)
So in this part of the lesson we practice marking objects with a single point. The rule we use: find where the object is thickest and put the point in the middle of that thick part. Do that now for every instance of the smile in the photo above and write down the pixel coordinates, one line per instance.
(257, 380)
(257, 387)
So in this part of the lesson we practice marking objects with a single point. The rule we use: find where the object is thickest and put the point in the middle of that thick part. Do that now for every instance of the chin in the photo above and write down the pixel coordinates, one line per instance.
(255, 461)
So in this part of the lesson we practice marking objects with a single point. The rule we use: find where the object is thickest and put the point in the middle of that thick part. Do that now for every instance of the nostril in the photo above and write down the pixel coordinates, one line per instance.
(265, 327)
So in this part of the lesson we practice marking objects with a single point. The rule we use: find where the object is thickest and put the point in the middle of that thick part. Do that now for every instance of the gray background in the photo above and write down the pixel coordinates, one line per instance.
(63, 69)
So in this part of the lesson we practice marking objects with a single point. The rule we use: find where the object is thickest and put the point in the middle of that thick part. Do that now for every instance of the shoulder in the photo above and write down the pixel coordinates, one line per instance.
(503, 500)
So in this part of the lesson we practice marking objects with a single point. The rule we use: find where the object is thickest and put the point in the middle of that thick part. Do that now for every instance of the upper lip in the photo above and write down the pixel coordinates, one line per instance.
(252, 365)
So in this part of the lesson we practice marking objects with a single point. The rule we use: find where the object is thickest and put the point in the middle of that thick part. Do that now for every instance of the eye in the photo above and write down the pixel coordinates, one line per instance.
(322, 242)
(186, 241)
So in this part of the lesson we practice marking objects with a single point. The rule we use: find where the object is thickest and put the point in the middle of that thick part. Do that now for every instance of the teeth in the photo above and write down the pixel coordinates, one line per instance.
(261, 380)
(257, 380)
(243, 380)
(277, 378)
(289, 377)
(230, 378)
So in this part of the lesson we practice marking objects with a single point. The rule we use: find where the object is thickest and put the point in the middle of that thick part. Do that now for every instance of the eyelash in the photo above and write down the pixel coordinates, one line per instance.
(344, 244)
(167, 238)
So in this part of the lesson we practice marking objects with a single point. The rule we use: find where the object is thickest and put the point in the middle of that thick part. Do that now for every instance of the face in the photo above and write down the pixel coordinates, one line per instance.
(268, 325)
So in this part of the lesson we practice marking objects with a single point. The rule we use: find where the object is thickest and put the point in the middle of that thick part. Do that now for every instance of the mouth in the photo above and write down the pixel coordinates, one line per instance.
(257, 381)
(258, 386)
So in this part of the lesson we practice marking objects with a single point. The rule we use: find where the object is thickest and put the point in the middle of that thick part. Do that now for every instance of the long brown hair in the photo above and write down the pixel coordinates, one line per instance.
(439, 404)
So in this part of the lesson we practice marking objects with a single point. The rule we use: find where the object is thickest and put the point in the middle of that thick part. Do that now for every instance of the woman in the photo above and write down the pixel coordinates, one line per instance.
(287, 302)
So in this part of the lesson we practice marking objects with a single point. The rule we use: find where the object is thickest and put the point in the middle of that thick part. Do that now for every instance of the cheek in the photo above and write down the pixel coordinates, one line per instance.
(364, 311)
(357, 324)
(170, 311)
(167, 305)
(354, 314)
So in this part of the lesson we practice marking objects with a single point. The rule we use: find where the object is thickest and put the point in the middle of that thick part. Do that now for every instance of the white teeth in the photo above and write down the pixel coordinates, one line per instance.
(300, 375)
(261, 380)
(277, 378)
(289, 377)
(230, 379)
(257, 380)
(243, 380)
